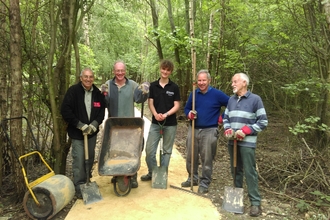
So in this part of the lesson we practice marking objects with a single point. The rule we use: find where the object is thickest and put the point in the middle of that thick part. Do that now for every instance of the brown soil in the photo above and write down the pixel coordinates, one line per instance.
(274, 206)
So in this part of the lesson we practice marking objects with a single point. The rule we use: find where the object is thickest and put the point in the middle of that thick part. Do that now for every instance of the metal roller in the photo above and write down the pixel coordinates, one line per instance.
(53, 195)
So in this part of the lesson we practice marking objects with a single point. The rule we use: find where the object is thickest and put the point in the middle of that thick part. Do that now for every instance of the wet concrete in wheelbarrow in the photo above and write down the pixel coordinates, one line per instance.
(146, 202)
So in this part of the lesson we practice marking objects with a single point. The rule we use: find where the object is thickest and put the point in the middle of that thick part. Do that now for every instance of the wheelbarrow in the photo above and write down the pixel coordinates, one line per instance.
(121, 149)
(48, 193)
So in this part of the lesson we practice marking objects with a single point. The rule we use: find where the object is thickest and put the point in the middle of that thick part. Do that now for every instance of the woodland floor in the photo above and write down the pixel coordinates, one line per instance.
(274, 205)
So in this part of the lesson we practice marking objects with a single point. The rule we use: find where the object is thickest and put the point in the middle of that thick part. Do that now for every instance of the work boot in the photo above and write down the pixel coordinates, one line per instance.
(255, 211)
(134, 182)
(202, 190)
(146, 177)
(78, 192)
(79, 195)
(187, 183)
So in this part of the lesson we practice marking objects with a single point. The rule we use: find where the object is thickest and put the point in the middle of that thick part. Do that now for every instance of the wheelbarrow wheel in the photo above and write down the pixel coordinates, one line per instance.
(122, 185)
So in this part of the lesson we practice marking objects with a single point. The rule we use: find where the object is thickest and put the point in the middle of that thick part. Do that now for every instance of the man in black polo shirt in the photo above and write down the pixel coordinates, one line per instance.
(164, 102)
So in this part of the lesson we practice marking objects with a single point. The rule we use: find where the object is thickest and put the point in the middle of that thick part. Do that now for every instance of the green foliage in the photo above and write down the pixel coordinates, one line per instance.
(303, 206)
(118, 33)
(322, 199)
(310, 124)
(87, 58)
(309, 87)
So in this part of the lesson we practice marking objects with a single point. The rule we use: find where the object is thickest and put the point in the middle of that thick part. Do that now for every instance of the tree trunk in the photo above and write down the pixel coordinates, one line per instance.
(180, 72)
(221, 40)
(155, 24)
(325, 77)
(16, 85)
(31, 79)
(3, 87)
(321, 51)
(209, 42)
(59, 76)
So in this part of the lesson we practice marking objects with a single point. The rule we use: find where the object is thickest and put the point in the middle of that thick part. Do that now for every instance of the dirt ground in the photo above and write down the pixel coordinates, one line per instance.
(273, 205)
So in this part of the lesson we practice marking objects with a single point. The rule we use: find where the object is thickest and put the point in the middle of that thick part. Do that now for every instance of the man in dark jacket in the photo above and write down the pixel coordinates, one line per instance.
(83, 109)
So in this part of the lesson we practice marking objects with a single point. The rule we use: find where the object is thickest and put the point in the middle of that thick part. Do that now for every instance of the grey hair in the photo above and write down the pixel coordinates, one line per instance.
(118, 61)
(86, 69)
(204, 71)
(244, 77)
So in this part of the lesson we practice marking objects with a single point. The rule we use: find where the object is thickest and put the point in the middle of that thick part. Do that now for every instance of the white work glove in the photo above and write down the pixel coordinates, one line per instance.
(192, 115)
(240, 134)
(144, 87)
(86, 129)
(104, 89)
(229, 133)
(93, 126)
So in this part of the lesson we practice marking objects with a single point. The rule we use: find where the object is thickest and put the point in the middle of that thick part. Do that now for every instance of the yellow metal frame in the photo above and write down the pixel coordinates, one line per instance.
(39, 180)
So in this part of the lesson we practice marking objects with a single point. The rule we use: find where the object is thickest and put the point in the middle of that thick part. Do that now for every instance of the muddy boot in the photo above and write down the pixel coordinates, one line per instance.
(134, 182)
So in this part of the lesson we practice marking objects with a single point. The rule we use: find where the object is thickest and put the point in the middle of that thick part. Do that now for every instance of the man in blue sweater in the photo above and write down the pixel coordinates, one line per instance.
(208, 103)
(244, 118)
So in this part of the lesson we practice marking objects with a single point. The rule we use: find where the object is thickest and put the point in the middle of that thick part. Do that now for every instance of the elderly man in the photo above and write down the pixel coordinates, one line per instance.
(83, 109)
(207, 116)
(244, 118)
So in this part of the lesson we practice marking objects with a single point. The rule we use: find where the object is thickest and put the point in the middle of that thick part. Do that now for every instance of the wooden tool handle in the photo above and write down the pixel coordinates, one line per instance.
(86, 146)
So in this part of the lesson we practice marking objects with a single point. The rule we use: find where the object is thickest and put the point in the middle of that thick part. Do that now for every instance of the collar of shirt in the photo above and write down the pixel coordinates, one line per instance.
(245, 95)
(119, 86)
(208, 89)
(86, 90)
(169, 81)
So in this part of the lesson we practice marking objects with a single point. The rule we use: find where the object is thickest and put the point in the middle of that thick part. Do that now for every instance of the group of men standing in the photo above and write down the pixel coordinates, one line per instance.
(83, 108)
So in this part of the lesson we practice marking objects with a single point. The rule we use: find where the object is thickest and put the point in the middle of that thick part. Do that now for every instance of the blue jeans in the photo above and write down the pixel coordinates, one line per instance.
(78, 162)
(154, 137)
(205, 145)
(246, 165)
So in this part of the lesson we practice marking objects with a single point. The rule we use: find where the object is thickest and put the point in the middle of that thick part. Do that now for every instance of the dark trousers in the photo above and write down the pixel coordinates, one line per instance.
(246, 165)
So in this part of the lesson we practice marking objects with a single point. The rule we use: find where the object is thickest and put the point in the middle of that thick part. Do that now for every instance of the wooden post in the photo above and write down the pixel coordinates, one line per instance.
(193, 62)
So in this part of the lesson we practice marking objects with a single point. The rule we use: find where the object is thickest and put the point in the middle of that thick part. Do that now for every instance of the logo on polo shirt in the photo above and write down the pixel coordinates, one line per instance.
(169, 93)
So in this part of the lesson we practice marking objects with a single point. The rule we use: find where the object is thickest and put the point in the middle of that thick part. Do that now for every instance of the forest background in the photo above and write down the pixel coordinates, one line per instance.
(283, 45)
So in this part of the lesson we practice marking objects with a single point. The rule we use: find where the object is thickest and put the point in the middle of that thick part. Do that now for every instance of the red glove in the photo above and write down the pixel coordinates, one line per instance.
(220, 120)
(192, 115)
(229, 133)
(240, 134)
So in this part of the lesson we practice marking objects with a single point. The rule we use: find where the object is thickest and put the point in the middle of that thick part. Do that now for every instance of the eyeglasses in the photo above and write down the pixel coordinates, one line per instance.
(120, 71)
(87, 77)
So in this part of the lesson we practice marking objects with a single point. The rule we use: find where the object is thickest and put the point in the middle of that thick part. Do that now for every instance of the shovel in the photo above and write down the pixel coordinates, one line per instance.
(233, 197)
(159, 174)
(90, 190)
